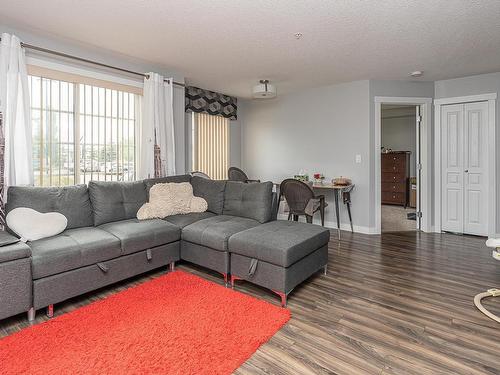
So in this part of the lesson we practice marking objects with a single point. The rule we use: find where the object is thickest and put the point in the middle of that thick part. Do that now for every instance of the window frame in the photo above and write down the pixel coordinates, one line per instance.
(78, 80)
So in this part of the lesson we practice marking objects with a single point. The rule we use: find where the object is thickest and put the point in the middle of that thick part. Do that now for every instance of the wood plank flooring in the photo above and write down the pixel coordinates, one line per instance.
(400, 303)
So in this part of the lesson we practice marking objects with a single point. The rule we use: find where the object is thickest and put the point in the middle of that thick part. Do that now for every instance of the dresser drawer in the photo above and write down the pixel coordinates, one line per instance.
(397, 187)
(394, 168)
(393, 177)
(394, 198)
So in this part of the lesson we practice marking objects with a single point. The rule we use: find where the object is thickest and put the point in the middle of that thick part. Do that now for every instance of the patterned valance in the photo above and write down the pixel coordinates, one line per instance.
(213, 103)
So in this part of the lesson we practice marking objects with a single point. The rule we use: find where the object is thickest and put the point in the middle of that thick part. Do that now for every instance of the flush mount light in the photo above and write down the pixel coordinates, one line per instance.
(297, 35)
(417, 74)
(264, 90)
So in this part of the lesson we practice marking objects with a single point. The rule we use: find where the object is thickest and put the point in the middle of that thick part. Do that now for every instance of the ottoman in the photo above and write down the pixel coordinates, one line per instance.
(15, 276)
(278, 255)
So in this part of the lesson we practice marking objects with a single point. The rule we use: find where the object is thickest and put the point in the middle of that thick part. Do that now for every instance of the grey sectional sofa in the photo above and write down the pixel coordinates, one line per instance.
(105, 243)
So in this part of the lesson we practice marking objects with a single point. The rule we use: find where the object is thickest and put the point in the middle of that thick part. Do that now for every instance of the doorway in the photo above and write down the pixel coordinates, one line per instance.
(423, 157)
(400, 145)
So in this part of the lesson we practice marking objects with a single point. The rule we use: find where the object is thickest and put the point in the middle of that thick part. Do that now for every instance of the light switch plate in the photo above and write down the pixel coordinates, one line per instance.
(358, 159)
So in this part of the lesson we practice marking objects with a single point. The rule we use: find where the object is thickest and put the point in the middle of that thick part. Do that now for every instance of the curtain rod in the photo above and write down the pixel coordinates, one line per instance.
(61, 54)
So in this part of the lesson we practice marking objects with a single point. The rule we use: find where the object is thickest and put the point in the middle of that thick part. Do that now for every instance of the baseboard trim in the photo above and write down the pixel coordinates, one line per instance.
(333, 225)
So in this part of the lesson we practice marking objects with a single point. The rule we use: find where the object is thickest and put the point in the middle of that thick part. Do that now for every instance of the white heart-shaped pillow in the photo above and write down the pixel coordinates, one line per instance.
(32, 225)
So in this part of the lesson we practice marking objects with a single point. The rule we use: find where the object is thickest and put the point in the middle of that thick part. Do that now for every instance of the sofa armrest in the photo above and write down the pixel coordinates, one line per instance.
(11, 248)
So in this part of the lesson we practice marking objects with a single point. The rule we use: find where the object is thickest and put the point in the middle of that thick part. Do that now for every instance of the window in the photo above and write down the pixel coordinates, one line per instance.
(210, 145)
(82, 132)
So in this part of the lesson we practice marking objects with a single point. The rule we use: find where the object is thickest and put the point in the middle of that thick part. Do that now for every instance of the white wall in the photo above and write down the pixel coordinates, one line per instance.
(317, 130)
(474, 85)
(399, 132)
(235, 136)
(322, 130)
(110, 58)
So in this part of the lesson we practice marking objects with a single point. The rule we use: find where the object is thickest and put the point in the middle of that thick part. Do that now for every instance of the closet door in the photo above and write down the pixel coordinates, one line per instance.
(476, 168)
(452, 168)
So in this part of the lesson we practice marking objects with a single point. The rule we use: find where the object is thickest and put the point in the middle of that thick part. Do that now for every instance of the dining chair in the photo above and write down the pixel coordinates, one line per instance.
(236, 174)
(301, 200)
(200, 174)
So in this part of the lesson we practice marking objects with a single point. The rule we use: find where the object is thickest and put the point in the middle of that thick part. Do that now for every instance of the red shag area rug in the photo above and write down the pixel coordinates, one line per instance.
(175, 324)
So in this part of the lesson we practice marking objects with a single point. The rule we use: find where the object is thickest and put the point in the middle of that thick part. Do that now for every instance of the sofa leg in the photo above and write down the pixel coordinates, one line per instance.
(233, 279)
(225, 279)
(31, 314)
(283, 297)
(50, 311)
(172, 266)
(325, 269)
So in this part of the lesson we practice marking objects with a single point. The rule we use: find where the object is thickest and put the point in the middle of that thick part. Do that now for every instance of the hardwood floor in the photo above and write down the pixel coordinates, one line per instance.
(400, 303)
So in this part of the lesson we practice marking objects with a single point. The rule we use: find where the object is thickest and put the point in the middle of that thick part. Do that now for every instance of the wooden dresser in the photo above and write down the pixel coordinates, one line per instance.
(395, 178)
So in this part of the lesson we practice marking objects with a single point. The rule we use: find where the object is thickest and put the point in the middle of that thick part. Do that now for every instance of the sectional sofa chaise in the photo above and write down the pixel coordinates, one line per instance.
(238, 236)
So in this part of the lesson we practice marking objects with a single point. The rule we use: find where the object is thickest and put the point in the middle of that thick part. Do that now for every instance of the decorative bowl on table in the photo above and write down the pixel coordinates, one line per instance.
(341, 181)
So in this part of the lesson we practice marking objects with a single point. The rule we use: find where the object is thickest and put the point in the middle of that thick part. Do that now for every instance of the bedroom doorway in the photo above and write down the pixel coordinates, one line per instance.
(403, 183)
(399, 167)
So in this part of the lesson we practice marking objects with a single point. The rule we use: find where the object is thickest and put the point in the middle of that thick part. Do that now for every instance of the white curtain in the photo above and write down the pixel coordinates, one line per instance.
(158, 123)
(15, 106)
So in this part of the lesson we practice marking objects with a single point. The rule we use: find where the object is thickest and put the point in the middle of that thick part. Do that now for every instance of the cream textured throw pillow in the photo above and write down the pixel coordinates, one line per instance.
(171, 199)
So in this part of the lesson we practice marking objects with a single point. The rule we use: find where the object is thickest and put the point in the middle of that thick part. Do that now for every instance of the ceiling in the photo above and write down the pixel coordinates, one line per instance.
(228, 45)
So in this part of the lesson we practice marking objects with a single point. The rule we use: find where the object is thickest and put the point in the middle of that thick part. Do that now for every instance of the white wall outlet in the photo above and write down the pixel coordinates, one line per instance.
(358, 159)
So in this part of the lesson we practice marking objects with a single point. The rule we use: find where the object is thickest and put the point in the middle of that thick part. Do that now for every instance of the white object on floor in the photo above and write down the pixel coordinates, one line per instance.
(32, 225)
(494, 243)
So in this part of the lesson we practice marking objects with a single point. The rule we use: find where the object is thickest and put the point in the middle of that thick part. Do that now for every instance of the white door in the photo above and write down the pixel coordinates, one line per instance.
(452, 168)
(464, 158)
(476, 168)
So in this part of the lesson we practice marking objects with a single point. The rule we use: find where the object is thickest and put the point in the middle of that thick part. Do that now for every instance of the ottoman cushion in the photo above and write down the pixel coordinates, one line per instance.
(279, 242)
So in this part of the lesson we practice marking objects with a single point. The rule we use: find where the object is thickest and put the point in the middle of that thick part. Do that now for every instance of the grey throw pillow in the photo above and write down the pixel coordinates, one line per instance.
(251, 200)
(210, 190)
(71, 201)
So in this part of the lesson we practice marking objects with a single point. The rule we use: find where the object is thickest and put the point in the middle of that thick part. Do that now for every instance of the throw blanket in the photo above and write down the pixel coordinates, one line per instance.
(171, 199)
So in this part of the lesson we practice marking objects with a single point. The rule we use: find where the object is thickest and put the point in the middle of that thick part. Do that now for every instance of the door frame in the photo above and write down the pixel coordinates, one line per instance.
(491, 99)
(424, 204)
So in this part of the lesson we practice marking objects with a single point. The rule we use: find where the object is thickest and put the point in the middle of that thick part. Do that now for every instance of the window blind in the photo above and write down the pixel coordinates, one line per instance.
(211, 145)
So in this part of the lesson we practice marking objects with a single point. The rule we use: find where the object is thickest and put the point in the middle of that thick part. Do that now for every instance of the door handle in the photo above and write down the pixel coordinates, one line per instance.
(466, 171)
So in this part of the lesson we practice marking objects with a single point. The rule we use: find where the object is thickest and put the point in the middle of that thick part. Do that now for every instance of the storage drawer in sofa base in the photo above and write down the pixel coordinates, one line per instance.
(277, 278)
(15, 287)
(57, 288)
(205, 256)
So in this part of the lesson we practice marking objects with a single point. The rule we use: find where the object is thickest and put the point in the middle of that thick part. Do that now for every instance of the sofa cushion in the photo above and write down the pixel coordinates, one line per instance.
(215, 231)
(71, 201)
(72, 249)
(136, 235)
(279, 242)
(210, 190)
(183, 220)
(252, 200)
(114, 201)
(150, 182)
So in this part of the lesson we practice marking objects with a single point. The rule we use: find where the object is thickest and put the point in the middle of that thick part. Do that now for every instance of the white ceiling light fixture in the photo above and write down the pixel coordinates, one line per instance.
(264, 90)
(417, 74)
